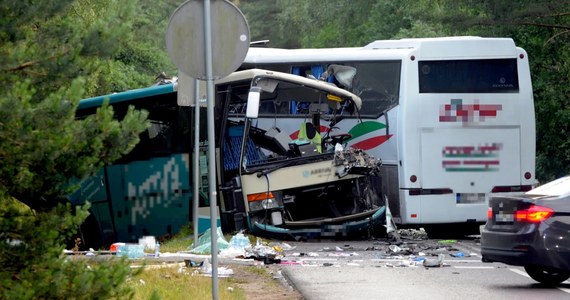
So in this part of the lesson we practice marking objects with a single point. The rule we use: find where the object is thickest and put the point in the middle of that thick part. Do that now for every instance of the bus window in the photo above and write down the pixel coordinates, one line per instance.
(469, 76)
(377, 83)
(168, 123)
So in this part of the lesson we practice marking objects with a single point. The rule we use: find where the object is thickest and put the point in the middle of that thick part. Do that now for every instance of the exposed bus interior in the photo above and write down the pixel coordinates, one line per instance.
(377, 83)
(298, 184)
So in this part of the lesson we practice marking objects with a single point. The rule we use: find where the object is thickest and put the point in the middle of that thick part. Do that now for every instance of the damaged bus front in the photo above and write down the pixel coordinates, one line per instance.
(295, 177)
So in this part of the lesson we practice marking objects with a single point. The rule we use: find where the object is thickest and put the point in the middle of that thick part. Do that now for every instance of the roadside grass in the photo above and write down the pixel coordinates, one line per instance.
(177, 282)
(170, 283)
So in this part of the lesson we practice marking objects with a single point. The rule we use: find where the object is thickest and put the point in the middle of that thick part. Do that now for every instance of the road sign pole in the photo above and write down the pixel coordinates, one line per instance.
(230, 42)
(211, 146)
(196, 166)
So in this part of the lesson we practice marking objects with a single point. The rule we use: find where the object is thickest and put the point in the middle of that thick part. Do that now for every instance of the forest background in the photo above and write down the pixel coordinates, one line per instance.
(55, 52)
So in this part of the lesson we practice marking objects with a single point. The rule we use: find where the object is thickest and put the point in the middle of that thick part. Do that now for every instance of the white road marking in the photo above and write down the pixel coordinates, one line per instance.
(566, 290)
(473, 267)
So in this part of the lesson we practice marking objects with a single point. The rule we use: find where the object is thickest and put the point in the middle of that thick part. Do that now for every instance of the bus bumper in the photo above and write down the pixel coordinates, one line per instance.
(326, 229)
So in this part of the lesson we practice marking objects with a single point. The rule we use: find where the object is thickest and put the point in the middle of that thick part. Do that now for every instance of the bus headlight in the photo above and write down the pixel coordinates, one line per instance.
(262, 201)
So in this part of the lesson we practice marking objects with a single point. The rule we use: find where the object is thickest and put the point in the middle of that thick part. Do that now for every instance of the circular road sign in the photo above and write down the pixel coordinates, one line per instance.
(229, 38)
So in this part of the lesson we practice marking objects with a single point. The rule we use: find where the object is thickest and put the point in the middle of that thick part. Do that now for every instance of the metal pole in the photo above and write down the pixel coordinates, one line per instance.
(197, 178)
(211, 147)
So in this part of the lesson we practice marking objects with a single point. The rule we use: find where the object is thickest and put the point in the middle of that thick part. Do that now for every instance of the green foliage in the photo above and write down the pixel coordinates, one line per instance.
(42, 145)
(52, 54)
(34, 266)
(542, 28)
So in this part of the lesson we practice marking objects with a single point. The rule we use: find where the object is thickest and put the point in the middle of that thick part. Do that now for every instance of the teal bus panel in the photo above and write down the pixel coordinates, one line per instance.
(150, 197)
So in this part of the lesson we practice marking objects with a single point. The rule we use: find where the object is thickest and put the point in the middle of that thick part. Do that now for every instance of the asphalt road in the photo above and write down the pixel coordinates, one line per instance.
(371, 270)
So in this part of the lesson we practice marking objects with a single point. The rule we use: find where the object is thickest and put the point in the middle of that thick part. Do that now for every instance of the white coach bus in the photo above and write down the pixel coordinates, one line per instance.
(451, 118)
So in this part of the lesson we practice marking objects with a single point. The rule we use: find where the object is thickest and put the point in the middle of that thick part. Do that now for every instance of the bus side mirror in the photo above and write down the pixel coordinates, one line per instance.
(253, 102)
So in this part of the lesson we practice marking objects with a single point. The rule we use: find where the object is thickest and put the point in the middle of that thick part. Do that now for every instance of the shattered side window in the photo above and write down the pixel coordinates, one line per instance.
(378, 85)
(376, 82)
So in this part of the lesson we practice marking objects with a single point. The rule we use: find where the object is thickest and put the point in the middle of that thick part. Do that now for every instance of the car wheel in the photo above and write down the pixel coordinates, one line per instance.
(548, 276)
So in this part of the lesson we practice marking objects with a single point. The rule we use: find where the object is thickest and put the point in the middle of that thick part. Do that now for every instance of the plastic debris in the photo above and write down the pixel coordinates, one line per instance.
(283, 246)
(131, 251)
(148, 242)
(237, 245)
(434, 263)
(447, 241)
(459, 254)
(206, 270)
(391, 229)
(192, 263)
(91, 252)
(268, 254)
(115, 247)
(204, 245)
(395, 248)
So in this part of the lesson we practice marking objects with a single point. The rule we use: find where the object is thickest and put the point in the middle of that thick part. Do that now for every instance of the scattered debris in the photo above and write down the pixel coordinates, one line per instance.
(413, 234)
(459, 254)
(206, 270)
(391, 229)
(204, 244)
(434, 263)
(267, 254)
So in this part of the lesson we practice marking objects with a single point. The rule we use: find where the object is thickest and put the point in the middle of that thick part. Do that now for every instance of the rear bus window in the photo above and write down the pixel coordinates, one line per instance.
(469, 76)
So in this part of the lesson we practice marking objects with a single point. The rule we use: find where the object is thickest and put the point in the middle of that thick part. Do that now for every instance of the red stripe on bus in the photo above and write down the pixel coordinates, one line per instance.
(371, 142)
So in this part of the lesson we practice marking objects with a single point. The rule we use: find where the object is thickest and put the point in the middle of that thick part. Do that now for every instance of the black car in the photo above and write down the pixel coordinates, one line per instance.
(531, 230)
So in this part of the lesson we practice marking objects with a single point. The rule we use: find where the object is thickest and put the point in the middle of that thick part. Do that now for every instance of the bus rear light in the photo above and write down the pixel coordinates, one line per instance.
(511, 189)
(521, 56)
(417, 192)
(414, 216)
(527, 175)
(533, 214)
(413, 178)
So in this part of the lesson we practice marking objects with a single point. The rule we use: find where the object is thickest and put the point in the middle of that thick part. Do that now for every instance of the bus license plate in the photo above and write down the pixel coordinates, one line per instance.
(468, 198)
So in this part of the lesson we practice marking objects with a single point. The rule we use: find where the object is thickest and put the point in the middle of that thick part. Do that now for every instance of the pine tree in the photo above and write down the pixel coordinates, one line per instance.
(53, 53)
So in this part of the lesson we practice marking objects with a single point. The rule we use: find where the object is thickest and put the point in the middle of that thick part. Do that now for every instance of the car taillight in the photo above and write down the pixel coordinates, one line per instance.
(533, 214)
(489, 213)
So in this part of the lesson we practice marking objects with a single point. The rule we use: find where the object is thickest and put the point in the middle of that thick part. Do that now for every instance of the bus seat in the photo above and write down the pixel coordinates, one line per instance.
(231, 149)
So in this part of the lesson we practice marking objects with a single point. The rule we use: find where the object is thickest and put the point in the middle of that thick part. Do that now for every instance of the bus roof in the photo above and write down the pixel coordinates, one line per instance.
(455, 46)
(128, 95)
(440, 47)
(236, 76)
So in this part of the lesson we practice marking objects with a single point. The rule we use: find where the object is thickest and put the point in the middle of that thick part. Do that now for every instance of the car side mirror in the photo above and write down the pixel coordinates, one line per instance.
(253, 102)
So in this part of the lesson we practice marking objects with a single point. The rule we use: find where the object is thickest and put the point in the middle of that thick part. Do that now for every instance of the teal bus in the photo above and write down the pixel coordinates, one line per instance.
(147, 191)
